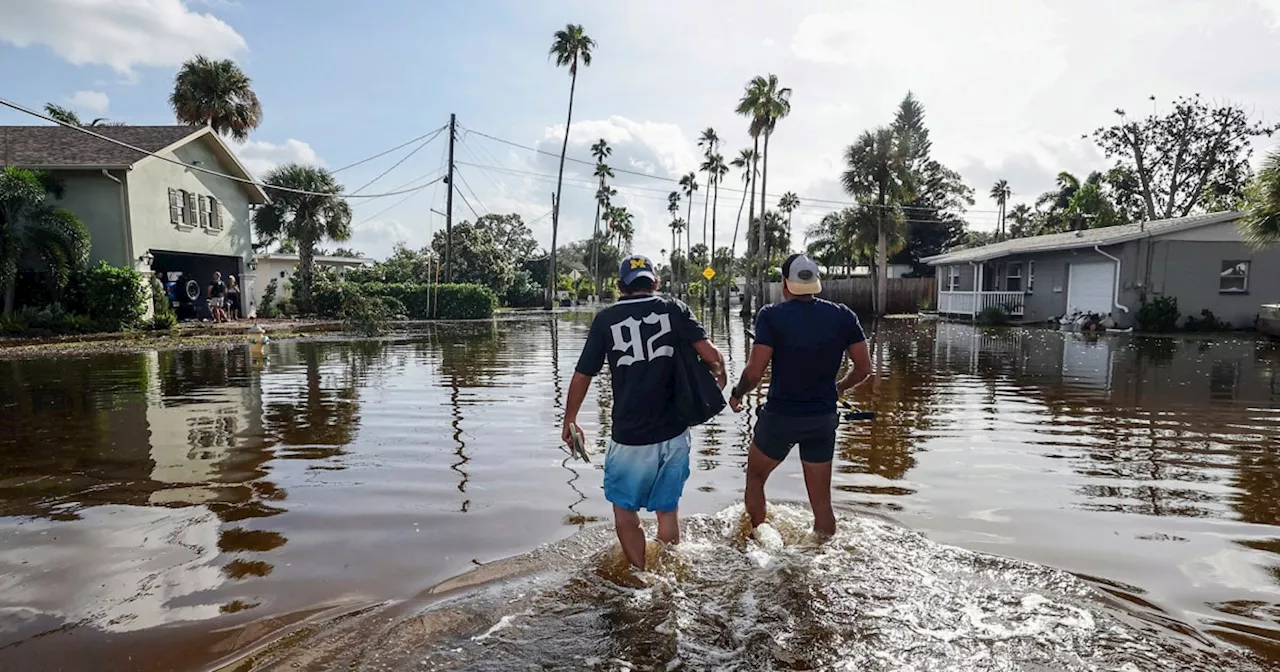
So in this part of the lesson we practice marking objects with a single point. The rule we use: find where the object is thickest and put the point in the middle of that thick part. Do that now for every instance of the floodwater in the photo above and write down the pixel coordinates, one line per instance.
(1025, 500)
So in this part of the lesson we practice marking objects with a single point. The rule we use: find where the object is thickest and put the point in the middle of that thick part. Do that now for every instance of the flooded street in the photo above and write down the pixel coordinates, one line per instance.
(176, 510)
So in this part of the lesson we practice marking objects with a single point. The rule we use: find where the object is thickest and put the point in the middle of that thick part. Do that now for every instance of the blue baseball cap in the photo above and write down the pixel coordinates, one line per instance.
(636, 266)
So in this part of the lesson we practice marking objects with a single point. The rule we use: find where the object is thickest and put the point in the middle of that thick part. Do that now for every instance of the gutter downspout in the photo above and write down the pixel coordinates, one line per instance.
(1115, 298)
(977, 287)
(124, 218)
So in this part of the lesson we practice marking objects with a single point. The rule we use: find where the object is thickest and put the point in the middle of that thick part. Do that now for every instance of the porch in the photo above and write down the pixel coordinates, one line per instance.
(971, 304)
(967, 290)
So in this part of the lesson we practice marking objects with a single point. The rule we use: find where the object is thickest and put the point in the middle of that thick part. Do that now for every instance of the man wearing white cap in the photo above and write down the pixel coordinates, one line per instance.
(806, 339)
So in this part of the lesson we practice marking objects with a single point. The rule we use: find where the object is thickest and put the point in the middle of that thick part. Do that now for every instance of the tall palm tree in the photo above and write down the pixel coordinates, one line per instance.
(708, 141)
(764, 102)
(716, 170)
(1020, 220)
(600, 151)
(788, 204)
(569, 46)
(673, 208)
(1261, 225)
(1000, 193)
(623, 222)
(876, 172)
(69, 117)
(31, 227)
(689, 183)
(746, 162)
(306, 219)
(216, 94)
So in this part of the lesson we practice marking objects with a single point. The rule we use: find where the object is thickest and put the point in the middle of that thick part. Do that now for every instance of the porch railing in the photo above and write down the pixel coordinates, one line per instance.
(973, 303)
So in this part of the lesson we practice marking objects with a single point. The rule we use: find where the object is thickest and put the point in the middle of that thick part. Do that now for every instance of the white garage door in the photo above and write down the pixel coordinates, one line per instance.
(1091, 288)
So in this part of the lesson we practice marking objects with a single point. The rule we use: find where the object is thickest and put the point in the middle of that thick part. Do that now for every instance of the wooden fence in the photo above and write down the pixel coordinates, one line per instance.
(904, 295)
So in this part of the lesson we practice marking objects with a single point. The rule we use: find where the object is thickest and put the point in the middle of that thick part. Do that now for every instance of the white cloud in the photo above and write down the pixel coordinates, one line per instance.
(259, 157)
(90, 101)
(122, 34)
(666, 142)
(379, 237)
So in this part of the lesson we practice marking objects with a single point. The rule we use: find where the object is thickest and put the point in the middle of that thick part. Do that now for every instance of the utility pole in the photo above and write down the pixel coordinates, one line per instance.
(448, 217)
(552, 281)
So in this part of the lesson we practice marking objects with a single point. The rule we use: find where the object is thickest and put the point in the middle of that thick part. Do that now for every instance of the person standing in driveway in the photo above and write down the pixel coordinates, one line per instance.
(806, 339)
(217, 298)
(648, 458)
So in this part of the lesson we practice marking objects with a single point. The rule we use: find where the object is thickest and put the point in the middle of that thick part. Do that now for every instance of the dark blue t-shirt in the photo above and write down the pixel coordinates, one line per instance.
(638, 337)
(809, 339)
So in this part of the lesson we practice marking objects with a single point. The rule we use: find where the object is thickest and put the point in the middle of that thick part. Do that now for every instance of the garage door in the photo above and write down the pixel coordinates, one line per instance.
(1091, 288)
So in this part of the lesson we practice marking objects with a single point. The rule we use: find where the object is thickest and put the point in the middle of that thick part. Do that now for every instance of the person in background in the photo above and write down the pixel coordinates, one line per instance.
(233, 298)
(806, 339)
(217, 298)
(647, 462)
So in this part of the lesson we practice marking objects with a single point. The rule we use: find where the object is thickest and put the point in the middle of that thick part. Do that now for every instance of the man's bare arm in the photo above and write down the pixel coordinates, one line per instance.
(754, 371)
(578, 387)
(860, 355)
(715, 361)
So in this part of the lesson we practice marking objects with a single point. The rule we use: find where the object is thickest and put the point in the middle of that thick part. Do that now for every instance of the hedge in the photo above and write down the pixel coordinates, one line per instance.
(456, 302)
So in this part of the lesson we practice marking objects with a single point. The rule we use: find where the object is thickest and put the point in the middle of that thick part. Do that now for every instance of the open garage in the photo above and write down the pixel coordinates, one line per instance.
(187, 277)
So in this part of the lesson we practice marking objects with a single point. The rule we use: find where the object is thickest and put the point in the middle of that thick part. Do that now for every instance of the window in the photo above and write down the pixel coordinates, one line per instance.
(1013, 277)
(189, 208)
(204, 211)
(215, 214)
(1031, 276)
(175, 207)
(1234, 278)
(953, 278)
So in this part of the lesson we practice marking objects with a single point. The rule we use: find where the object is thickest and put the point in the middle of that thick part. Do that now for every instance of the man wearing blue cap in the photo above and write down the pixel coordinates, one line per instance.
(648, 458)
(806, 339)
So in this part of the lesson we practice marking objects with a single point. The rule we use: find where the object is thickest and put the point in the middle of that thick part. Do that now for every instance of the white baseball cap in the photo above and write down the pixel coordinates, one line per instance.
(800, 274)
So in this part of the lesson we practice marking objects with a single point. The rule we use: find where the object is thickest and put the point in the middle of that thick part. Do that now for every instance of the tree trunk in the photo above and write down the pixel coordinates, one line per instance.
(555, 207)
(715, 198)
(764, 209)
(748, 285)
(9, 288)
(306, 273)
(688, 253)
(882, 256)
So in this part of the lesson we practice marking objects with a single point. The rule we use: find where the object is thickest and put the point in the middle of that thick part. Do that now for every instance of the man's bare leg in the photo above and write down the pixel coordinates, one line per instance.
(759, 466)
(817, 480)
(630, 535)
(669, 527)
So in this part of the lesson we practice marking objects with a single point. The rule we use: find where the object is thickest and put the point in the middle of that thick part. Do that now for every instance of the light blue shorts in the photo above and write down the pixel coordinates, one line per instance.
(650, 477)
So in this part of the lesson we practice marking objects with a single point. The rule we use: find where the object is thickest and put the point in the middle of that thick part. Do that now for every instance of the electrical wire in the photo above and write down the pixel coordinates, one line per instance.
(387, 209)
(379, 155)
(199, 169)
(473, 191)
(397, 164)
(464, 199)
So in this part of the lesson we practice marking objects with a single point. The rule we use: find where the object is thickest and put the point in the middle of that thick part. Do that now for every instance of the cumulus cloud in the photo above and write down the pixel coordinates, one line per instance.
(379, 237)
(90, 101)
(661, 144)
(121, 34)
(259, 157)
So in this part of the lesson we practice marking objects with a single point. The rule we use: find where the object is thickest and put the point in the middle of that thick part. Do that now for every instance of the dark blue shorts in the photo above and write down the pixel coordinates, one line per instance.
(777, 434)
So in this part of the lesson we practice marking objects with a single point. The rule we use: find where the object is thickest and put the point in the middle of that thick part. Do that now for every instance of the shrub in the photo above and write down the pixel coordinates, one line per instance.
(51, 319)
(524, 292)
(1206, 322)
(268, 307)
(993, 316)
(163, 321)
(456, 302)
(163, 316)
(465, 302)
(113, 296)
(1159, 315)
(368, 314)
(326, 298)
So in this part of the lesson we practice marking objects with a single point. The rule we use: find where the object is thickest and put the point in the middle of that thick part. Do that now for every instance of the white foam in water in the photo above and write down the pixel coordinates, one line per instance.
(768, 538)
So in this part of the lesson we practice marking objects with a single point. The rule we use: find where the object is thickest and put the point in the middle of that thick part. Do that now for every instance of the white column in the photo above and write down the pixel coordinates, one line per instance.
(977, 289)
(249, 293)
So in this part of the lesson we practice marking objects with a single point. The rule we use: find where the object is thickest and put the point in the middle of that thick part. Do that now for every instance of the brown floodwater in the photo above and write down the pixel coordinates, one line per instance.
(1057, 502)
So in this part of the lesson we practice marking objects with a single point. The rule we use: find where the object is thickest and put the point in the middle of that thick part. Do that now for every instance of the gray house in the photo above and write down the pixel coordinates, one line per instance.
(1201, 260)
(145, 212)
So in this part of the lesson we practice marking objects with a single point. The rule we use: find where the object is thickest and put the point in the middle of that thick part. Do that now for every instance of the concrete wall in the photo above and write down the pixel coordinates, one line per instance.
(96, 200)
(1189, 270)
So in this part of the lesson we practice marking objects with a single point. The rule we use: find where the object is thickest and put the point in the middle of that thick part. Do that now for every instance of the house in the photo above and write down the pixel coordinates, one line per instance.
(281, 267)
(144, 212)
(1200, 260)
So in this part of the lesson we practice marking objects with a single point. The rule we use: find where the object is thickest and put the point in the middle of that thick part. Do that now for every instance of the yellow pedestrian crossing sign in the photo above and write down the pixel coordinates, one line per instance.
(708, 273)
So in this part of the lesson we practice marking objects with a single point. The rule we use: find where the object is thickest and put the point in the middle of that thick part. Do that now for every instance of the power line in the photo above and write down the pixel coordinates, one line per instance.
(397, 164)
(473, 192)
(199, 169)
(387, 209)
(382, 154)
(464, 200)
(405, 184)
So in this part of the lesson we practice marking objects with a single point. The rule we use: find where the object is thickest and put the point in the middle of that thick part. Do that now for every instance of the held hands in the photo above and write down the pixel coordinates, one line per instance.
(736, 404)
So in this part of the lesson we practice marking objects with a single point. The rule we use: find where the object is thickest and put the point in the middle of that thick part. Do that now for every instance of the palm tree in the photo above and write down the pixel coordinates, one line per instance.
(600, 151)
(877, 172)
(746, 162)
(30, 227)
(216, 94)
(788, 204)
(1261, 224)
(1000, 193)
(622, 221)
(679, 226)
(306, 219)
(69, 117)
(716, 170)
(568, 47)
(689, 183)
(1020, 220)
(776, 236)
(673, 208)
(765, 103)
(708, 141)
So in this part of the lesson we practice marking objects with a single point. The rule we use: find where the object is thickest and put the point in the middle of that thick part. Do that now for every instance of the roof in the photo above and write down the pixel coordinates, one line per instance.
(1071, 240)
(60, 147)
(339, 261)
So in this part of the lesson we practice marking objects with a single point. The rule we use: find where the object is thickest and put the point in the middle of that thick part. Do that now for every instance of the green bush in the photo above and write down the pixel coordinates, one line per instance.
(1159, 315)
(163, 321)
(524, 292)
(1207, 322)
(993, 316)
(49, 320)
(456, 302)
(268, 308)
(326, 298)
(163, 316)
(368, 314)
(114, 297)
(466, 302)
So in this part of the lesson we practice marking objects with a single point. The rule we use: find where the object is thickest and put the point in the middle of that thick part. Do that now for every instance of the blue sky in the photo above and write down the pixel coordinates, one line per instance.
(1009, 86)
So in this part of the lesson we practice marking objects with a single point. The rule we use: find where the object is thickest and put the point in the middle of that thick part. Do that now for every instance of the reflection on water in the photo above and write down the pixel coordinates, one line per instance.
(230, 499)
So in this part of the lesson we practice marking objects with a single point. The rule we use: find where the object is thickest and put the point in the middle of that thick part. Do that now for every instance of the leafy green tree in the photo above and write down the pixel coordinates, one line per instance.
(31, 227)
(1261, 225)
(569, 47)
(1000, 193)
(347, 252)
(877, 174)
(403, 266)
(306, 219)
(216, 94)
(1052, 205)
(765, 102)
(1179, 158)
(936, 195)
(478, 256)
(513, 235)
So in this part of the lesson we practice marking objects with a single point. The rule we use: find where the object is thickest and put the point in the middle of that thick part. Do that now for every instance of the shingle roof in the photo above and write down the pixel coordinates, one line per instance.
(1070, 240)
(59, 147)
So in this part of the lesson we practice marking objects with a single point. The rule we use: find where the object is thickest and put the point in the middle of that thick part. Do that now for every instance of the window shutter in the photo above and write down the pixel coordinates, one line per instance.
(175, 211)
(189, 208)
(203, 209)
(215, 213)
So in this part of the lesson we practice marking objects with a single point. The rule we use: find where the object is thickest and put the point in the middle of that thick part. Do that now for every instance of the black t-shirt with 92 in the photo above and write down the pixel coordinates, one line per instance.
(638, 337)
